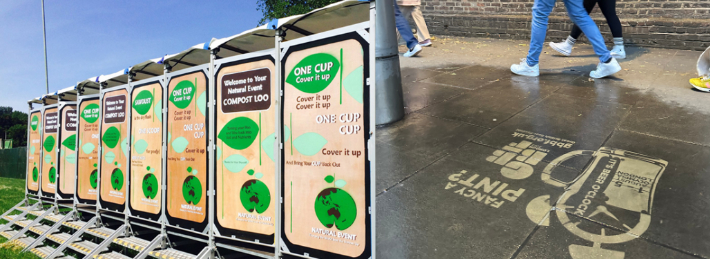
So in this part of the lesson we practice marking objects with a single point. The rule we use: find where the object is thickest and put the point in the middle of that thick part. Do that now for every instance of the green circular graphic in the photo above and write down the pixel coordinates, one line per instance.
(117, 179)
(35, 174)
(52, 175)
(49, 143)
(94, 179)
(192, 190)
(181, 96)
(150, 186)
(91, 113)
(255, 196)
(335, 206)
(34, 123)
(143, 102)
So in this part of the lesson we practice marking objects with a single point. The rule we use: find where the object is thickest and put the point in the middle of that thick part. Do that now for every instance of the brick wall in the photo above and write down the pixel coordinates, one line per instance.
(647, 23)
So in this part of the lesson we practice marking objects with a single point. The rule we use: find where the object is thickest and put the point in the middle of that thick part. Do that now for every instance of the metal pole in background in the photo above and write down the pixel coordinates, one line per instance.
(389, 100)
(44, 35)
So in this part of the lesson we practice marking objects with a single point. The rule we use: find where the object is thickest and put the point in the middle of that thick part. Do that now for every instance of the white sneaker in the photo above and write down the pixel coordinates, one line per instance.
(524, 69)
(563, 48)
(413, 51)
(618, 52)
(606, 69)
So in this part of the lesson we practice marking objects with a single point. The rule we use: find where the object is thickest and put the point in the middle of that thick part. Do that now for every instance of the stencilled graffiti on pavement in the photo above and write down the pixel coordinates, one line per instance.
(616, 189)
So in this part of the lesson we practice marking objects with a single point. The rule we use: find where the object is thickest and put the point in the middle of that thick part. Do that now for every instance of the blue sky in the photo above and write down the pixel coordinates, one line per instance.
(90, 38)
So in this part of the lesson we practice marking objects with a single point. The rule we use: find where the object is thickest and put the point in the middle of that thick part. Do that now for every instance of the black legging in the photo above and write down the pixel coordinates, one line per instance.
(608, 8)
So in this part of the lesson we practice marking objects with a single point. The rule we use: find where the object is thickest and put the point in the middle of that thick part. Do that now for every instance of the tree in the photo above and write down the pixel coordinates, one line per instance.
(14, 123)
(5, 110)
(274, 9)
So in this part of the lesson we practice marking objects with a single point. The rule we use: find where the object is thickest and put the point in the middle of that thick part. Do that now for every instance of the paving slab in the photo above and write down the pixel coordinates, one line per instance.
(424, 134)
(464, 206)
(418, 95)
(492, 104)
(557, 241)
(471, 77)
(396, 164)
(605, 90)
(672, 121)
(416, 74)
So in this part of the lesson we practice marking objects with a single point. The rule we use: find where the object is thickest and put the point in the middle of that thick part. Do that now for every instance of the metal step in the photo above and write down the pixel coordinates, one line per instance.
(39, 229)
(54, 217)
(37, 212)
(133, 243)
(8, 234)
(111, 255)
(23, 241)
(42, 251)
(23, 223)
(85, 247)
(102, 232)
(23, 208)
(170, 253)
(75, 224)
(10, 217)
(59, 238)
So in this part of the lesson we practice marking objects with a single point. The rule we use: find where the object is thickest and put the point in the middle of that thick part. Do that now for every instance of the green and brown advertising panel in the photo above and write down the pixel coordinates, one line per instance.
(146, 150)
(114, 150)
(50, 145)
(34, 151)
(186, 189)
(246, 133)
(325, 131)
(66, 172)
(87, 174)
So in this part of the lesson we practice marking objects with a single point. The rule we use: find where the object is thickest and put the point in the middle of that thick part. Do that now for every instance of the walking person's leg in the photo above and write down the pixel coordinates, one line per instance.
(565, 47)
(540, 14)
(406, 32)
(607, 65)
(608, 8)
(422, 30)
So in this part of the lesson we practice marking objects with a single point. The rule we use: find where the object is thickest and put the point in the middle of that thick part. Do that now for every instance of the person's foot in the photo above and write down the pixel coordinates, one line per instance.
(413, 51)
(701, 83)
(563, 48)
(425, 43)
(606, 69)
(524, 69)
(618, 52)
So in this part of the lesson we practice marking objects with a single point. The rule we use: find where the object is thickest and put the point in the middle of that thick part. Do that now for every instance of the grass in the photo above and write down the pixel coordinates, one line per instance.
(12, 191)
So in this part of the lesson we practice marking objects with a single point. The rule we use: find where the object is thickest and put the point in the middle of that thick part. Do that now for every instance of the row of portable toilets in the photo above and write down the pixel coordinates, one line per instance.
(259, 145)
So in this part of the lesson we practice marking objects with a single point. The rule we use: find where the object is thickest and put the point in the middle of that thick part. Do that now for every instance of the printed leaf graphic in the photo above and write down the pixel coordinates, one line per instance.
(47, 159)
(202, 103)
(179, 144)
(235, 163)
(340, 183)
(87, 148)
(124, 147)
(71, 158)
(90, 113)
(314, 73)
(34, 123)
(287, 133)
(49, 143)
(109, 156)
(158, 110)
(219, 152)
(111, 137)
(353, 84)
(70, 142)
(32, 150)
(140, 146)
(309, 143)
(268, 145)
(329, 179)
(181, 96)
(143, 102)
(239, 133)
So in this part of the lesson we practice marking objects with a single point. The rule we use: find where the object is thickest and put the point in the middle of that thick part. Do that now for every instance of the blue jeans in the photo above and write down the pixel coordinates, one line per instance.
(576, 12)
(403, 27)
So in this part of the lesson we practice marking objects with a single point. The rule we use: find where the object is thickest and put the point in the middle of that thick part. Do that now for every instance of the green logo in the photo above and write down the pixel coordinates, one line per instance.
(117, 179)
(314, 73)
(35, 174)
(150, 186)
(143, 102)
(334, 206)
(192, 190)
(34, 123)
(90, 113)
(182, 95)
(49, 143)
(254, 195)
(94, 179)
(52, 175)
(111, 137)
(239, 133)
(70, 142)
